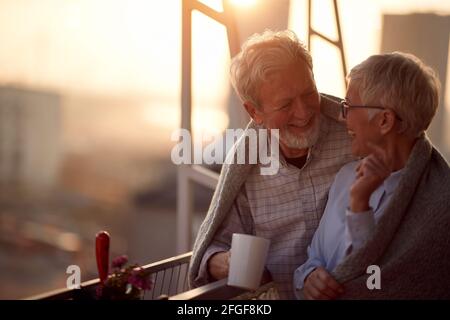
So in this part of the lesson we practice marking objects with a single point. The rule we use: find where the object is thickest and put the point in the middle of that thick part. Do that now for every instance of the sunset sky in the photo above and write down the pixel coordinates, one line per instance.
(133, 48)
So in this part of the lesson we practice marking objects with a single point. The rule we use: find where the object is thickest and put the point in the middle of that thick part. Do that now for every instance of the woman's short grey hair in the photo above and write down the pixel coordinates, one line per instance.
(401, 82)
(261, 55)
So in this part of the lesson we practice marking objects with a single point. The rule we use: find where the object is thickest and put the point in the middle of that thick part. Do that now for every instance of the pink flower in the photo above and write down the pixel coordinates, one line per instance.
(119, 261)
(140, 280)
(125, 282)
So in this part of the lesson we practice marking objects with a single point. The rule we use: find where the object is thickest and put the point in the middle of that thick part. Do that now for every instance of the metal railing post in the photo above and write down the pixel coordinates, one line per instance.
(188, 174)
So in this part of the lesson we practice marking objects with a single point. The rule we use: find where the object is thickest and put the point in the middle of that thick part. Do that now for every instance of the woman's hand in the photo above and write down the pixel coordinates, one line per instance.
(370, 174)
(320, 285)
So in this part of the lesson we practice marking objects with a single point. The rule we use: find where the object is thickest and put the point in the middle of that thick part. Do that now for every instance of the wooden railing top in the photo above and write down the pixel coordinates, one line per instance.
(218, 290)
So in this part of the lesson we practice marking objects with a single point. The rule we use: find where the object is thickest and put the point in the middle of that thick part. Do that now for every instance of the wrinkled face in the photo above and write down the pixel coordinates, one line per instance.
(289, 101)
(360, 128)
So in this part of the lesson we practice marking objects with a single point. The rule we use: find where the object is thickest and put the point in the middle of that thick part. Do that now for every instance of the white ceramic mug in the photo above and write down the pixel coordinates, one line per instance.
(247, 261)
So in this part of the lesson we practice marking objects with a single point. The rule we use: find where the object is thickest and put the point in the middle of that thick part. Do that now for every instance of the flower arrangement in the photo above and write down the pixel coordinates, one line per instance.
(125, 282)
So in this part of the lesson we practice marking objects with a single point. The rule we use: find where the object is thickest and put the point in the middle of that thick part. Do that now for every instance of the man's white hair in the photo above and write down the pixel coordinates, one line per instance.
(401, 82)
(261, 55)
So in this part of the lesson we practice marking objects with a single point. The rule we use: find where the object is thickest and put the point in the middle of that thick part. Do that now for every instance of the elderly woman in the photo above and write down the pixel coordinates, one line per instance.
(390, 211)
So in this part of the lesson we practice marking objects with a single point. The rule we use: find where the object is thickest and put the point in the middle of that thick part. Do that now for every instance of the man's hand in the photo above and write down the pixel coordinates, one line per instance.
(370, 174)
(219, 264)
(320, 285)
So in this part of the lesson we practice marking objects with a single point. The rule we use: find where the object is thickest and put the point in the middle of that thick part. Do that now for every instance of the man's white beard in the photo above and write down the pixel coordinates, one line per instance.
(304, 141)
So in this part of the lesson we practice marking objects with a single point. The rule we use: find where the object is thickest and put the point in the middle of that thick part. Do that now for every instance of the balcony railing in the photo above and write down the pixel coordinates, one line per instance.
(170, 277)
(170, 282)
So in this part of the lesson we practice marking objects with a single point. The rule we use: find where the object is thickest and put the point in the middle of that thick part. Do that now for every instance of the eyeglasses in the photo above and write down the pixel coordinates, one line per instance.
(345, 106)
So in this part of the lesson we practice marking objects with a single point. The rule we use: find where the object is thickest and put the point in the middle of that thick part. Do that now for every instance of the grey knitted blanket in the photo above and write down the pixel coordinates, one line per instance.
(411, 242)
(231, 179)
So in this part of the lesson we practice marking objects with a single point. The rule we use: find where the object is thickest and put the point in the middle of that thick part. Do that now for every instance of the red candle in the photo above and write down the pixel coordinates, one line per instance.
(102, 254)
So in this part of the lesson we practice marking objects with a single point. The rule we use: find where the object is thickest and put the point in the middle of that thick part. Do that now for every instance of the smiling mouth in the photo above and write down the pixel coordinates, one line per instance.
(302, 124)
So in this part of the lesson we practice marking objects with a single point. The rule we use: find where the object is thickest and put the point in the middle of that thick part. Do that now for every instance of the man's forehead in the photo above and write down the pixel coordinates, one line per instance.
(296, 85)
(293, 67)
(290, 77)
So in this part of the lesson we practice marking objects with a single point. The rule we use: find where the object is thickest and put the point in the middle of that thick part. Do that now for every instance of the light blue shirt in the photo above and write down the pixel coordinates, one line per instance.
(340, 231)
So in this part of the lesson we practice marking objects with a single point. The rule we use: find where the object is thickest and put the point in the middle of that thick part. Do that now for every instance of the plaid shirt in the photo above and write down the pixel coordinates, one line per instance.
(286, 207)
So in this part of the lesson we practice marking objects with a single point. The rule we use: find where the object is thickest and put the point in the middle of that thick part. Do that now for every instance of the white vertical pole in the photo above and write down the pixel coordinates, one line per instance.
(184, 188)
(184, 210)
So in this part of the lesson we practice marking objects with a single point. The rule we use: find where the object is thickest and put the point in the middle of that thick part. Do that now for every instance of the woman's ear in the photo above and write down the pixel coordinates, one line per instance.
(254, 112)
(387, 121)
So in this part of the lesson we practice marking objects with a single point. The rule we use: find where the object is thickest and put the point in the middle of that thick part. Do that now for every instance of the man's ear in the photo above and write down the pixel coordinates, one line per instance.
(254, 113)
(387, 121)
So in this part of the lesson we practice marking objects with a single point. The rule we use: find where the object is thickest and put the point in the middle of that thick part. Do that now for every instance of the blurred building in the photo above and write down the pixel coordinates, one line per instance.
(30, 150)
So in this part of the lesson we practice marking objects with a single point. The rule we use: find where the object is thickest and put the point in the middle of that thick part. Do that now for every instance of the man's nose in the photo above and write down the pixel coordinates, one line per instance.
(301, 110)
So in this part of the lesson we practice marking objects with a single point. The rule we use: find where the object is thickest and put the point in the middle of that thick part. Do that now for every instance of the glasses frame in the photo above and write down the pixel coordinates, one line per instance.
(345, 106)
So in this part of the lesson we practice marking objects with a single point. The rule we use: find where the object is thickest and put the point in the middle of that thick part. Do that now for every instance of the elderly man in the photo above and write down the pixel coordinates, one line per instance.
(273, 76)
(390, 212)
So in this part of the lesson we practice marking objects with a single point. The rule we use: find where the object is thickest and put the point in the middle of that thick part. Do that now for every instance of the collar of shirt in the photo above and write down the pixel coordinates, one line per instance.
(390, 184)
(388, 187)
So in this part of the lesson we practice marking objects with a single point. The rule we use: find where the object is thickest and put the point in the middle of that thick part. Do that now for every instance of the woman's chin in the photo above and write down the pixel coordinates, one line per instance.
(356, 151)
